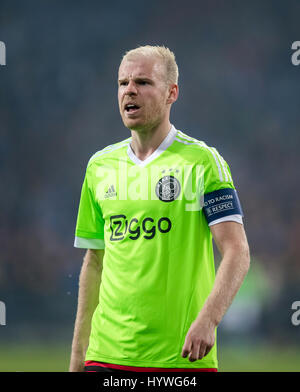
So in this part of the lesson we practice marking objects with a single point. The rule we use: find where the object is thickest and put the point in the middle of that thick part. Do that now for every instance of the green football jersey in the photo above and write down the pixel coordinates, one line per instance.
(152, 217)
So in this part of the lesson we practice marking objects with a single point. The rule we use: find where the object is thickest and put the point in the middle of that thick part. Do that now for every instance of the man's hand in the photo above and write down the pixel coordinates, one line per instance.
(199, 339)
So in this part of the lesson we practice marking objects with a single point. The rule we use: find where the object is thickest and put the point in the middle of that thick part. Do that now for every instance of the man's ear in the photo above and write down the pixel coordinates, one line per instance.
(173, 93)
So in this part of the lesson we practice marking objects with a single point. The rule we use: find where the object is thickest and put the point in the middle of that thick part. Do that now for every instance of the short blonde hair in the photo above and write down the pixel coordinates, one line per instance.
(165, 54)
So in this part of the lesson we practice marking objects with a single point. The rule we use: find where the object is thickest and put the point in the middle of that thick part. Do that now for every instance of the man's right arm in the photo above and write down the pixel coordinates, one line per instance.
(88, 298)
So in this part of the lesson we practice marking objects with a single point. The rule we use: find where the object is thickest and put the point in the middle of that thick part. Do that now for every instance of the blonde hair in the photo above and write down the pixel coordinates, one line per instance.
(165, 54)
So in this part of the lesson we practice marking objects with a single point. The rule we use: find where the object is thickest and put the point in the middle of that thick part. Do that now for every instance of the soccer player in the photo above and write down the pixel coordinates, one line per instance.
(150, 206)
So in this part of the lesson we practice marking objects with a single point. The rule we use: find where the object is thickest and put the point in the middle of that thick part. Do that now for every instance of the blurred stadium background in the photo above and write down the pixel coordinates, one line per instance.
(58, 105)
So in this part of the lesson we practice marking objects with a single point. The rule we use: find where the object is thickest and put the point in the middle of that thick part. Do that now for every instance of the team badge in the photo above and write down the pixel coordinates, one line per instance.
(168, 188)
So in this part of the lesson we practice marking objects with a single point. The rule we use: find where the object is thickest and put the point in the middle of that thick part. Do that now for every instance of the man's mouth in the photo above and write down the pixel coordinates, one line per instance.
(131, 108)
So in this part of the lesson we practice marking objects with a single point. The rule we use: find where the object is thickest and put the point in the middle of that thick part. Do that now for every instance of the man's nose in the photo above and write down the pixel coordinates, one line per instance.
(131, 88)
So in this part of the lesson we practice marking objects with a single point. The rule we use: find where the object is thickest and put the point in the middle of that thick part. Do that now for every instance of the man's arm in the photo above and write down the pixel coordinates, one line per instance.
(88, 298)
(231, 241)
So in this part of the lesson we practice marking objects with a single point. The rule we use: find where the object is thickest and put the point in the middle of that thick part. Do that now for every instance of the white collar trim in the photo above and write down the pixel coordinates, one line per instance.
(168, 140)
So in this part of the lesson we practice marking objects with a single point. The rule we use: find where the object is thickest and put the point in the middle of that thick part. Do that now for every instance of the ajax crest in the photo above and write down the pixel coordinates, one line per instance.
(168, 188)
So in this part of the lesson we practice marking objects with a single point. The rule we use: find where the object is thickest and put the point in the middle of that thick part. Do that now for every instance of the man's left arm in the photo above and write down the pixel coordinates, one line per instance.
(232, 243)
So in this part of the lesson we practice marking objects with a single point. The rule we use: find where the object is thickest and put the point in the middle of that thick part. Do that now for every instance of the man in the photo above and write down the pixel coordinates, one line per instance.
(148, 236)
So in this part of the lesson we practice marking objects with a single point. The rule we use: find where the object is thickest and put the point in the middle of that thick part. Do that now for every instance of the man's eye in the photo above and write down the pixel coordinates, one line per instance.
(143, 82)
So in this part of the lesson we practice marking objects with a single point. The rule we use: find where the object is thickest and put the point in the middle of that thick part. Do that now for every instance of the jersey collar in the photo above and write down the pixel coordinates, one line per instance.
(168, 140)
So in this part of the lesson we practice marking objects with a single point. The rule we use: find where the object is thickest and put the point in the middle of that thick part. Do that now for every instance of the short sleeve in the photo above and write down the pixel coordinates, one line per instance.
(89, 232)
(221, 201)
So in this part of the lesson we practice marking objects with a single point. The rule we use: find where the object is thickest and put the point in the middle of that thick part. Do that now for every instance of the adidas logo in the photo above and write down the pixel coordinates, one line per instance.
(111, 192)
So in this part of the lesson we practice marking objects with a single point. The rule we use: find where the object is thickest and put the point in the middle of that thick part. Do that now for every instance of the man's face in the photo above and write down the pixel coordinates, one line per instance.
(142, 93)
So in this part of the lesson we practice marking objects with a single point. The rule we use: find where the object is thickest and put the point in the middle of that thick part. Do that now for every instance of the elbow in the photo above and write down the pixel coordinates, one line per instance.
(245, 257)
(239, 255)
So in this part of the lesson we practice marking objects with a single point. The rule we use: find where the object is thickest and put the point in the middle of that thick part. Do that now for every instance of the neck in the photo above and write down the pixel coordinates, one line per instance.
(146, 141)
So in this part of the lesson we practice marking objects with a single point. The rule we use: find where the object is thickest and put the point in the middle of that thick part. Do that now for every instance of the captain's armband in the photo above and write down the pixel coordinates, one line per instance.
(221, 203)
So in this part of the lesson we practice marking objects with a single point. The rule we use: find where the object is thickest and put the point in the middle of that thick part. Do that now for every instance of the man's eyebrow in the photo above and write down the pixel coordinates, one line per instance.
(137, 78)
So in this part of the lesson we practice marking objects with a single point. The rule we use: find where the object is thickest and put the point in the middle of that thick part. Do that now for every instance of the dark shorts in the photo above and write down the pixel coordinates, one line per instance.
(91, 366)
(94, 366)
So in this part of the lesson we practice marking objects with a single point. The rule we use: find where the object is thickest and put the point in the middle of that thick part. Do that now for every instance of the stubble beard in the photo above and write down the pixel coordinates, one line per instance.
(146, 123)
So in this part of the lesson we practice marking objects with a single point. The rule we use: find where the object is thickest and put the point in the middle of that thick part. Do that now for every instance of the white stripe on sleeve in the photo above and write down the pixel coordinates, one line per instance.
(89, 243)
(233, 218)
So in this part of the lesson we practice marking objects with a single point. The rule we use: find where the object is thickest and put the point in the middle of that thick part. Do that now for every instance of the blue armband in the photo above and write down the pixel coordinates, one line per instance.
(221, 203)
